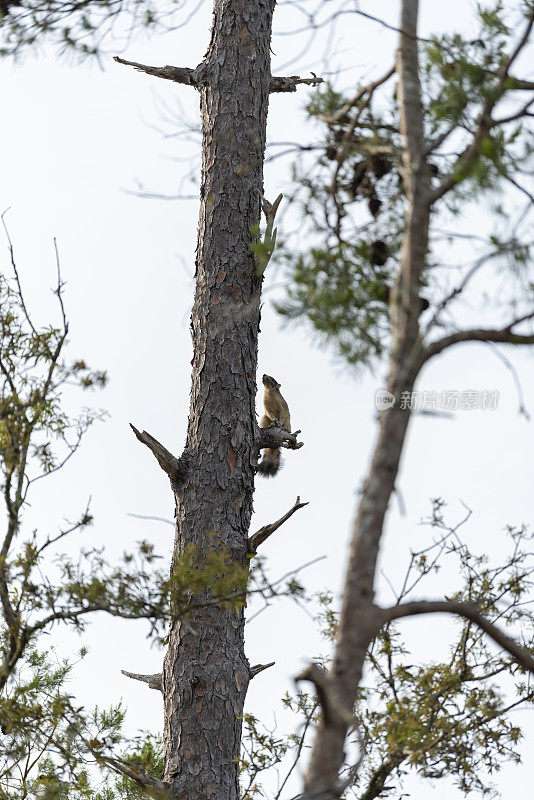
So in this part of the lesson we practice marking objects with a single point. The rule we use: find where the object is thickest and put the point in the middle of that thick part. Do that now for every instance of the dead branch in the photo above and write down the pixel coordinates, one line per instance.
(176, 468)
(253, 671)
(274, 436)
(262, 534)
(191, 77)
(469, 611)
(262, 255)
(290, 83)
(169, 73)
(154, 681)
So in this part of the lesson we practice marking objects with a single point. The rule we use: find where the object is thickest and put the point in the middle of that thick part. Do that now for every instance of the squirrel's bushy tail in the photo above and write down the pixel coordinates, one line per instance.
(270, 463)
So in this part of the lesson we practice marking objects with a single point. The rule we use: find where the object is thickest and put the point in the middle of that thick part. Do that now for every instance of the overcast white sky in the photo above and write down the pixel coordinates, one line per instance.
(72, 139)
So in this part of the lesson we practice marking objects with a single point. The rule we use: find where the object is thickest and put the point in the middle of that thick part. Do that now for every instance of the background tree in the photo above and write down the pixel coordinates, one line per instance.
(366, 292)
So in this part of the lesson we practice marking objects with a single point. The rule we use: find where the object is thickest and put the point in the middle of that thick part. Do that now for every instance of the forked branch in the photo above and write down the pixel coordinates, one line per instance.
(260, 536)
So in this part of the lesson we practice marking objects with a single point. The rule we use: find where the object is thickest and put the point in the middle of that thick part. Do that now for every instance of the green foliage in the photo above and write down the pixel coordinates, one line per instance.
(351, 195)
(145, 754)
(343, 295)
(82, 28)
(48, 741)
(52, 748)
(49, 744)
(451, 718)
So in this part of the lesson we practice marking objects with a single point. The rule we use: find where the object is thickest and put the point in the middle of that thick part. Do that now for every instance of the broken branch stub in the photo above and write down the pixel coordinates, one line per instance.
(176, 468)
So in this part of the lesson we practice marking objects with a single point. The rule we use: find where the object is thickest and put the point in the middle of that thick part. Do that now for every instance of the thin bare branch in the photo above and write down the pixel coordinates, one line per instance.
(59, 289)
(151, 517)
(17, 279)
(522, 112)
(263, 533)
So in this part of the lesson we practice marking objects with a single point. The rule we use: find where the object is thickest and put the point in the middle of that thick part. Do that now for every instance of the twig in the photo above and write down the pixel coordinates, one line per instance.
(149, 516)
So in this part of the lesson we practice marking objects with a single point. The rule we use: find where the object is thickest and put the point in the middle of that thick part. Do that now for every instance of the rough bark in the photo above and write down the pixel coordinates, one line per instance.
(360, 619)
(206, 673)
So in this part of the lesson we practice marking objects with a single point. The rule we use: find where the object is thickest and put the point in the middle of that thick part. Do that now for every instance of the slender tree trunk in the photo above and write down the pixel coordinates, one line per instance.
(359, 620)
(206, 672)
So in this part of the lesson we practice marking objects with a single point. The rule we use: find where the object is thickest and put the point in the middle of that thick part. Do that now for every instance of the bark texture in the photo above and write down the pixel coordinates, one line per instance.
(360, 618)
(206, 673)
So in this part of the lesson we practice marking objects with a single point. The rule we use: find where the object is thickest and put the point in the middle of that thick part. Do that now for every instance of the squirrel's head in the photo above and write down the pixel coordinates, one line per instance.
(270, 383)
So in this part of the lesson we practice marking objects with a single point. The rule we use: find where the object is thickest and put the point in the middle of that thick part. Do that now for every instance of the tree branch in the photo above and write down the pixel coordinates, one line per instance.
(253, 671)
(153, 681)
(274, 436)
(499, 335)
(485, 122)
(369, 89)
(327, 694)
(468, 611)
(192, 77)
(176, 468)
(378, 778)
(262, 534)
(264, 249)
(521, 85)
(290, 83)
(169, 73)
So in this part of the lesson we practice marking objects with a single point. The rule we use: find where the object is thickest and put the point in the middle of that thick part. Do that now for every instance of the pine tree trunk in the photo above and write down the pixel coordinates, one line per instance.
(206, 672)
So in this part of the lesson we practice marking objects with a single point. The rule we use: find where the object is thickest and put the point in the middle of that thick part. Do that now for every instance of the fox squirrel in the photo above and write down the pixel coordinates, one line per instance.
(276, 413)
